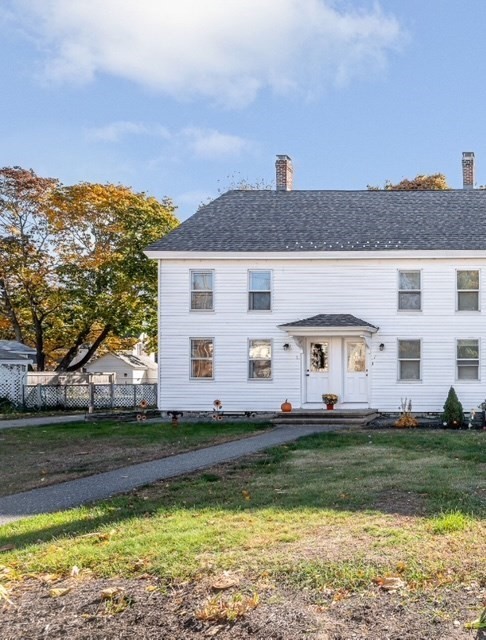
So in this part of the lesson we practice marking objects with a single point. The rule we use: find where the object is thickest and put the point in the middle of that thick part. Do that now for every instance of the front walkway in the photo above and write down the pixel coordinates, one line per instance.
(74, 493)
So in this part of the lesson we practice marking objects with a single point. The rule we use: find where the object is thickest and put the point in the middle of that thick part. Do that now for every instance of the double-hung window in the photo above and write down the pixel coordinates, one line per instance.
(259, 290)
(202, 285)
(409, 291)
(202, 354)
(259, 359)
(409, 352)
(468, 290)
(467, 359)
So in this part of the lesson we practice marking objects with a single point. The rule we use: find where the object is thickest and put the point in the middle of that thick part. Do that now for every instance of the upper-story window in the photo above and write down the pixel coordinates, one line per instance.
(468, 290)
(409, 291)
(202, 285)
(259, 290)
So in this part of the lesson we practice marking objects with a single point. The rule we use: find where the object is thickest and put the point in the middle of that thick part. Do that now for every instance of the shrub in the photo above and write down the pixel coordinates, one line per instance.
(6, 405)
(453, 415)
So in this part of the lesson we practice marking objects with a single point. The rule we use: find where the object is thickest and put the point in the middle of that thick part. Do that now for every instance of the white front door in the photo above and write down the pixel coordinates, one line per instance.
(317, 371)
(355, 371)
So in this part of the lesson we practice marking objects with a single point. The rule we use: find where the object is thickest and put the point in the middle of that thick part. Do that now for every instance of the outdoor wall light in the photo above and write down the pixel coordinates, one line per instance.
(286, 347)
(382, 347)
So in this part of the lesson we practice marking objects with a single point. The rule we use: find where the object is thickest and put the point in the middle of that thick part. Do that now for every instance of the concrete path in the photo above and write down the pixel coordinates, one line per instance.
(104, 485)
(39, 422)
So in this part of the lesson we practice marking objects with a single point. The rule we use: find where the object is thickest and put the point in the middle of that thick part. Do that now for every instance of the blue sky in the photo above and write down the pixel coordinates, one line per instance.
(182, 98)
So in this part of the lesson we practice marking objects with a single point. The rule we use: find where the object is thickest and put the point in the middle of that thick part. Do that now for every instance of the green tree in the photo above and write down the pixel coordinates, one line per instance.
(453, 414)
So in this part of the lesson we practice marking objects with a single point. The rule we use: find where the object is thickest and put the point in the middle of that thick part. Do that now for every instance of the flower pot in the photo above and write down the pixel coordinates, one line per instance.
(330, 407)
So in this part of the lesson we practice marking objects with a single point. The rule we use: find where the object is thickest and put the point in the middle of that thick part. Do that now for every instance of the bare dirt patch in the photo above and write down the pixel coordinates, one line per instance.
(145, 609)
(403, 503)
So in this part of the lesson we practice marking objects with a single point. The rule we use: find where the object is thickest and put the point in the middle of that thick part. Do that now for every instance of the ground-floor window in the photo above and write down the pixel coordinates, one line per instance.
(409, 359)
(259, 359)
(202, 353)
(468, 359)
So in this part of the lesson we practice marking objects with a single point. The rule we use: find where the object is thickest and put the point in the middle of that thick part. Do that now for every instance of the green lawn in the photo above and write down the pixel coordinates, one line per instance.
(38, 456)
(334, 511)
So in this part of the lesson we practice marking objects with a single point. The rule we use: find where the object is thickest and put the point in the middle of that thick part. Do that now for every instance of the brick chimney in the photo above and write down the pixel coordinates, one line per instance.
(468, 170)
(284, 173)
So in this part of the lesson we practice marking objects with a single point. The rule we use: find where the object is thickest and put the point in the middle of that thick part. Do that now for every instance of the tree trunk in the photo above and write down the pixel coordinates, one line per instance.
(10, 312)
(71, 354)
(39, 343)
(92, 350)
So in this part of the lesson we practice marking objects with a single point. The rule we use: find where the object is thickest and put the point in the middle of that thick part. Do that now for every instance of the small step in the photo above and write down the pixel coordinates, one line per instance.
(350, 418)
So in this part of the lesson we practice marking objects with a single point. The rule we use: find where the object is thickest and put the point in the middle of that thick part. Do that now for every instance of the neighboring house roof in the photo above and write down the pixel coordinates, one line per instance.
(330, 320)
(283, 221)
(13, 346)
(135, 362)
(9, 356)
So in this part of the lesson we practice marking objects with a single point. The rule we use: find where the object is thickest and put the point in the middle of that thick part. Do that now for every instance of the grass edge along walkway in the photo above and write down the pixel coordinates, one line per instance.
(74, 493)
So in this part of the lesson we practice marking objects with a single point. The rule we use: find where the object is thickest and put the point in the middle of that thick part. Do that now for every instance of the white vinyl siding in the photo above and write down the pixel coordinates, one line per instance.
(202, 352)
(365, 287)
(409, 352)
(259, 290)
(468, 290)
(259, 359)
(202, 290)
(468, 359)
(409, 291)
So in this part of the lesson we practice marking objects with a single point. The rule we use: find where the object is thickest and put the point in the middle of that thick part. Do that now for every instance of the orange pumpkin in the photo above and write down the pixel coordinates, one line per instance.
(286, 406)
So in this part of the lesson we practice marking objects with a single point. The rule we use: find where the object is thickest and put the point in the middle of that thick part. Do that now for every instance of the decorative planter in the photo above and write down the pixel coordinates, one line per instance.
(330, 407)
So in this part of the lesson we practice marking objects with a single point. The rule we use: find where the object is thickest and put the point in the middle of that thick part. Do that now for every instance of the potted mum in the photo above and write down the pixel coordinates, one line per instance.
(329, 399)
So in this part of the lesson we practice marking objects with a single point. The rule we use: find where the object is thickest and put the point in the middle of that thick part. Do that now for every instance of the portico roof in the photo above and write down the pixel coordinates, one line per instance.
(327, 323)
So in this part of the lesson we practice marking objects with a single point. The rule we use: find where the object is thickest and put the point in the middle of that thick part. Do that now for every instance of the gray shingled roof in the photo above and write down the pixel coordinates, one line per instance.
(334, 221)
(16, 347)
(6, 355)
(330, 320)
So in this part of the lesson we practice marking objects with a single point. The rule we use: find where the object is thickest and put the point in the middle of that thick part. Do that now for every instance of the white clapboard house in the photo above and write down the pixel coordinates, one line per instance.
(287, 294)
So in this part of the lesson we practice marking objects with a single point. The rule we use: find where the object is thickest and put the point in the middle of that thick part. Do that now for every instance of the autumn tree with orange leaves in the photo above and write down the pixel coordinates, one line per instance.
(72, 269)
(434, 182)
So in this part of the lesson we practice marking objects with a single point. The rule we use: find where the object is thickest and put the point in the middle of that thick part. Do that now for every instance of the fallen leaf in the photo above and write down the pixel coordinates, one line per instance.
(225, 581)
(48, 578)
(58, 593)
(111, 592)
(392, 583)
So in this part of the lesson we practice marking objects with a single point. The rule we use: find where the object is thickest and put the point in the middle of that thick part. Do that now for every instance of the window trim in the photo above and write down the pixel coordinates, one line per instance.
(250, 291)
(191, 290)
(478, 290)
(399, 360)
(478, 360)
(248, 360)
(399, 290)
(191, 377)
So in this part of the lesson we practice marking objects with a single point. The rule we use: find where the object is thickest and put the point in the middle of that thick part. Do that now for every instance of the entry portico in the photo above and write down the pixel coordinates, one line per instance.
(335, 350)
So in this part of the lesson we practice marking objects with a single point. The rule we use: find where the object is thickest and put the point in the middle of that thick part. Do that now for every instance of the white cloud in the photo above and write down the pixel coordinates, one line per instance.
(203, 143)
(115, 131)
(209, 143)
(226, 50)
